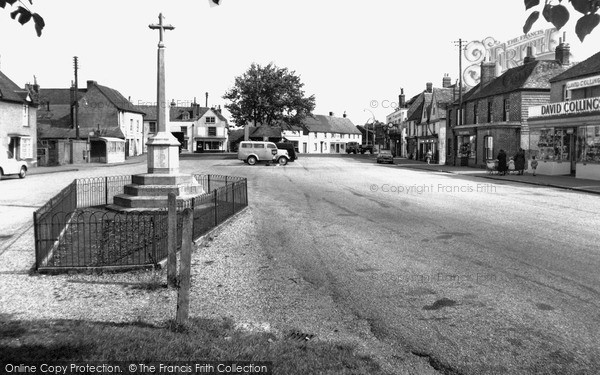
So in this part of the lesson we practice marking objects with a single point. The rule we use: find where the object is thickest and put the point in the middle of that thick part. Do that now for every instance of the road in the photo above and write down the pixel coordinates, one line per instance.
(472, 277)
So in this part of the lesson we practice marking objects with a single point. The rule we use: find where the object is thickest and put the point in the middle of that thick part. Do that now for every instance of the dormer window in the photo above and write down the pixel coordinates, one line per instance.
(186, 115)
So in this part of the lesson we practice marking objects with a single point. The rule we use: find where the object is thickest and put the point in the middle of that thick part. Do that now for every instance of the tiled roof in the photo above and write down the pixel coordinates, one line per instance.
(415, 110)
(58, 96)
(176, 113)
(590, 66)
(330, 124)
(10, 92)
(117, 99)
(49, 132)
(534, 75)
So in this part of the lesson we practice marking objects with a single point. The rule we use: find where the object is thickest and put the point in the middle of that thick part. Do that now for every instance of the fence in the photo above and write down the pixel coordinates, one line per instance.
(74, 230)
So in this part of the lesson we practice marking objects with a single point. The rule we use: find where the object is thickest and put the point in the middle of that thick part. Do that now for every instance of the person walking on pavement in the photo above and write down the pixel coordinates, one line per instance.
(534, 164)
(520, 161)
(428, 156)
(502, 166)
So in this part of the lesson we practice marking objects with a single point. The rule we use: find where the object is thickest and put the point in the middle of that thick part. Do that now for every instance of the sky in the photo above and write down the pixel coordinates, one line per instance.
(354, 56)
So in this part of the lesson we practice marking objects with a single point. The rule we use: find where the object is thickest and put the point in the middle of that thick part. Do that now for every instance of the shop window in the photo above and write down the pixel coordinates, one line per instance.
(26, 148)
(466, 146)
(589, 147)
(554, 144)
(488, 144)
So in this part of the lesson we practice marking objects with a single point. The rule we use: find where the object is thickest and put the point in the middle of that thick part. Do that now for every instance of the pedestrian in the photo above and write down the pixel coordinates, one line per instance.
(428, 156)
(502, 167)
(534, 164)
(520, 161)
(511, 165)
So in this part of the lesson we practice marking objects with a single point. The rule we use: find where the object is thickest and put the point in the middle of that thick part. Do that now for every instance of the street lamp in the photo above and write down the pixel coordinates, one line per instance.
(367, 129)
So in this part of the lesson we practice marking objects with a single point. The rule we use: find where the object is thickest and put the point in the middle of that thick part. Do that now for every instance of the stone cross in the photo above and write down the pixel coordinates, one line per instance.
(161, 28)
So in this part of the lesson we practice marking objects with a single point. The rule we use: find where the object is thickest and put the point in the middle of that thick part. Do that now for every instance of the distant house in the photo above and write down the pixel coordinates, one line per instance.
(200, 129)
(325, 134)
(101, 112)
(18, 120)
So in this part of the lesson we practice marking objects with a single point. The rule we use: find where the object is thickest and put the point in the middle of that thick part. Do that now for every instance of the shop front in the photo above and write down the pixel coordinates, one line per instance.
(568, 143)
(209, 145)
(466, 146)
(429, 144)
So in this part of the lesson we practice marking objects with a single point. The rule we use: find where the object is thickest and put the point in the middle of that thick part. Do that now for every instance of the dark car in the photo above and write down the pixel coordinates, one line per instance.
(385, 156)
(289, 148)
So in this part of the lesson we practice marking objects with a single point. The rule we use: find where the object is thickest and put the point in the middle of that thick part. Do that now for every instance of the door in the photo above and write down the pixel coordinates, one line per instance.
(304, 148)
(572, 150)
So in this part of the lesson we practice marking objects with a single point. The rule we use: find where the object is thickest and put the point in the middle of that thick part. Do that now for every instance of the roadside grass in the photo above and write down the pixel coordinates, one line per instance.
(199, 340)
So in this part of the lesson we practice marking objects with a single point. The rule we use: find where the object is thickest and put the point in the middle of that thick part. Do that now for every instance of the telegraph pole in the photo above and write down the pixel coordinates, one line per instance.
(76, 104)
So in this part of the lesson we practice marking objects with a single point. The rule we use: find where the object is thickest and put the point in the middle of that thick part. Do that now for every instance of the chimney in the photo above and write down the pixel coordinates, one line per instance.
(195, 109)
(91, 83)
(530, 55)
(446, 81)
(219, 108)
(344, 114)
(206, 104)
(429, 87)
(331, 114)
(488, 72)
(173, 104)
(563, 51)
(401, 99)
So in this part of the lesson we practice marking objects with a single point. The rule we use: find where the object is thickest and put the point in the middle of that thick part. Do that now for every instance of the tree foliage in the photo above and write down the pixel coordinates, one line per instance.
(268, 95)
(24, 15)
(558, 14)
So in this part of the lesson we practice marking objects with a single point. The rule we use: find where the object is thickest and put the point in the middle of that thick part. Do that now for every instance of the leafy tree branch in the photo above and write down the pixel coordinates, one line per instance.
(557, 13)
(23, 15)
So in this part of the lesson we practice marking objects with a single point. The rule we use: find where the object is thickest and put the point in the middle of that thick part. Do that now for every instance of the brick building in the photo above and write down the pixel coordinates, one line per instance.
(494, 113)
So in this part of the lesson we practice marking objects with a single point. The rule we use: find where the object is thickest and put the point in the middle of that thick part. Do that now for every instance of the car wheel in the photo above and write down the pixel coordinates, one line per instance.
(252, 160)
(22, 172)
(282, 160)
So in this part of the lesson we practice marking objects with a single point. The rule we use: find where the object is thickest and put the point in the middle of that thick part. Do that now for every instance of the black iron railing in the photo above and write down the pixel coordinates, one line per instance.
(75, 230)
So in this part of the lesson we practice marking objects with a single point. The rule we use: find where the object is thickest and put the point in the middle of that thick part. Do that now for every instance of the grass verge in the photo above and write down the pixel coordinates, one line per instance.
(200, 340)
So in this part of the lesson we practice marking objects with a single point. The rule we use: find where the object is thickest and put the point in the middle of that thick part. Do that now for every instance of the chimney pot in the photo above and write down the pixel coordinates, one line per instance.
(562, 52)
(91, 83)
(344, 114)
(530, 55)
(331, 114)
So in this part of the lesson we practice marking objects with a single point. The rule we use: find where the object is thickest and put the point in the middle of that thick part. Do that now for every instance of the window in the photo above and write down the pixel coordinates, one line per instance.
(488, 145)
(489, 111)
(449, 146)
(506, 112)
(130, 125)
(315, 147)
(589, 148)
(246, 145)
(26, 148)
(184, 129)
(325, 135)
(186, 115)
(259, 145)
(137, 125)
(209, 120)
(25, 115)
(475, 113)
(566, 93)
(152, 127)
(212, 131)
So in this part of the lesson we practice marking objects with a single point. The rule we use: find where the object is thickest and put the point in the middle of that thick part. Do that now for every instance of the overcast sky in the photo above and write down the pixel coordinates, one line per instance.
(352, 55)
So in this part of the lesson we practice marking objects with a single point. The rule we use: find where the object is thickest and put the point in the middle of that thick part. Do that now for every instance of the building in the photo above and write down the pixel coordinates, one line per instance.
(397, 130)
(323, 134)
(198, 129)
(18, 120)
(99, 111)
(565, 133)
(494, 113)
(426, 126)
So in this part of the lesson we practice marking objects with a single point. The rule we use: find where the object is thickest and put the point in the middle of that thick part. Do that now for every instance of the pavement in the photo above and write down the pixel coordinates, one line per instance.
(560, 182)
(83, 166)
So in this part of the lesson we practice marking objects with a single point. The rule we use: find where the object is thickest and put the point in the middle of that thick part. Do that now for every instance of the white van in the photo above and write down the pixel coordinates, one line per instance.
(11, 166)
(253, 152)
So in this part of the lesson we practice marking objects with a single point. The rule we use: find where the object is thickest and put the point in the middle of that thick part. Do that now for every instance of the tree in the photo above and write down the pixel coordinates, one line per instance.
(25, 15)
(558, 15)
(268, 95)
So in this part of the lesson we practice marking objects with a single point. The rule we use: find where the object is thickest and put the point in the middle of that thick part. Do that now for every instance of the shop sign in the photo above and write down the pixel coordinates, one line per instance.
(584, 82)
(565, 108)
(465, 132)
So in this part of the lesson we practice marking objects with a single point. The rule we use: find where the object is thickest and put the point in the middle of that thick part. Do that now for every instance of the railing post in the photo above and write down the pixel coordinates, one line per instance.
(172, 241)
(233, 196)
(106, 190)
(208, 182)
(36, 241)
(216, 214)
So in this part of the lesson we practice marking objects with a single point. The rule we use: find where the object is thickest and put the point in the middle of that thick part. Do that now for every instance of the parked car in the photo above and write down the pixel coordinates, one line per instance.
(289, 148)
(11, 166)
(252, 152)
(385, 156)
